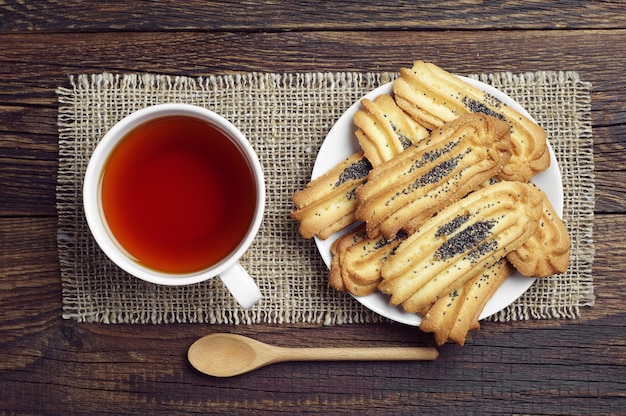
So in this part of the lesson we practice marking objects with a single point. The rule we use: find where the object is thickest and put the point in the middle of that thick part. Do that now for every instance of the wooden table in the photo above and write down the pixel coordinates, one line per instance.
(53, 366)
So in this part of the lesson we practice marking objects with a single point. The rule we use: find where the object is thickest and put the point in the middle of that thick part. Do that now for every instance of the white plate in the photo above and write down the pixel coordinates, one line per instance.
(341, 142)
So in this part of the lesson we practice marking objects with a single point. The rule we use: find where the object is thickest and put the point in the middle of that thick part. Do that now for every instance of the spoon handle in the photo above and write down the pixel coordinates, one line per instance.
(359, 354)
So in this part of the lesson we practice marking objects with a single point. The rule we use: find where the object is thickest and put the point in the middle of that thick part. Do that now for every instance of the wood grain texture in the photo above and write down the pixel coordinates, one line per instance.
(55, 367)
(285, 15)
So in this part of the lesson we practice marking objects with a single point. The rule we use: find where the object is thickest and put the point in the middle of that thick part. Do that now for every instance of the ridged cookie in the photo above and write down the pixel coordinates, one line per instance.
(406, 190)
(336, 277)
(328, 203)
(384, 130)
(357, 261)
(465, 238)
(433, 96)
(547, 251)
(451, 317)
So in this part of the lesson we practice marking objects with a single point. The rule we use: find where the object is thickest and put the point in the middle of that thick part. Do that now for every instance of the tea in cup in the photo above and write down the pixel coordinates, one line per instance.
(174, 194)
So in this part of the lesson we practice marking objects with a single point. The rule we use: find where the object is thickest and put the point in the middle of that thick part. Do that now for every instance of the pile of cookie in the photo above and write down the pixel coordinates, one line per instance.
(442, 202)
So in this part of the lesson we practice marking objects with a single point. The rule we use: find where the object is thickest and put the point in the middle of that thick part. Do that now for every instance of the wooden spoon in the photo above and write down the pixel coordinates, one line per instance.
(226, 355)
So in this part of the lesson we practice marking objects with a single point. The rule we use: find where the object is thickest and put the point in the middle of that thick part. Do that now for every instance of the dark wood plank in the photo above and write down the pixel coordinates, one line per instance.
(28, 187)
(28, 167)
(284, 15)
(610, 191)
(30, 288)
(112, 369)
(608, 146)
(508, 368)
(30, 73)
(197, 53)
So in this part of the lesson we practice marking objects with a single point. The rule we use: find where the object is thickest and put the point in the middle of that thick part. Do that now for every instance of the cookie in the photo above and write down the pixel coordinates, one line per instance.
(328, 203)
(384, 130)
(547, 251)
(433, 96)
(422, 180)
(357, 261)
(464, 239)
(451, 317)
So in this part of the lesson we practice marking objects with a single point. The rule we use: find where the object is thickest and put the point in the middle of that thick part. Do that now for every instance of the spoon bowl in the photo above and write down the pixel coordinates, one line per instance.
(227, 355)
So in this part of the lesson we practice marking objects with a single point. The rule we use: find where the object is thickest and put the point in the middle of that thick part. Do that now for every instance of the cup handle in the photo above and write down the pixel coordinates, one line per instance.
(241, 285)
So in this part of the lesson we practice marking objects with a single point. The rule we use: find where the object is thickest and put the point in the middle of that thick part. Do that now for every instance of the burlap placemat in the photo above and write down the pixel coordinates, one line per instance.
(286, 117)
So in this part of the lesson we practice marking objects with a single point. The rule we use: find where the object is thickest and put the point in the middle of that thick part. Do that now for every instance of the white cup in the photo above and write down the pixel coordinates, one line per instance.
(234, 276)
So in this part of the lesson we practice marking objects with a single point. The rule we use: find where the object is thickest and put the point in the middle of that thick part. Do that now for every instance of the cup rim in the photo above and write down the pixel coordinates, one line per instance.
(93, 208)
